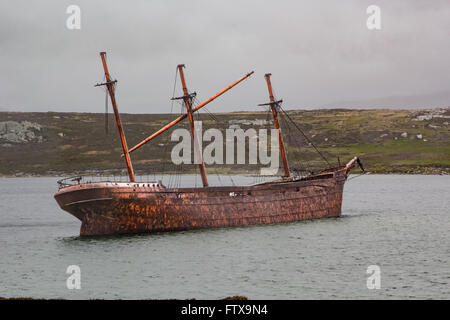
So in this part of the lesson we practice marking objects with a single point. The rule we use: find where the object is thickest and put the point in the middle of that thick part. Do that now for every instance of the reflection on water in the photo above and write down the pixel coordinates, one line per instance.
(399, 223)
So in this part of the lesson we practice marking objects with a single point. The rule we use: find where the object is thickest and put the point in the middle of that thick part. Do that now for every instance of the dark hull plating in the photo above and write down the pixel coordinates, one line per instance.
(107, 208)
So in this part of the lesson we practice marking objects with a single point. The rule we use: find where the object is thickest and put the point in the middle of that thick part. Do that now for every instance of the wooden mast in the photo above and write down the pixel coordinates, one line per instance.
(187, 98)
(110, 85)
(274, 105)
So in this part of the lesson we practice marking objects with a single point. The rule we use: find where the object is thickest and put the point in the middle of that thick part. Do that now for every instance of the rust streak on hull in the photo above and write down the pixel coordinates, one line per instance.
(107, 208)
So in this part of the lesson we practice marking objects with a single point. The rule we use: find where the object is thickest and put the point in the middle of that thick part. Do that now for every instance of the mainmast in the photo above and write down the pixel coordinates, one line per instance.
(110, 86)
(187, 98)
(275, 105)
(190, 110)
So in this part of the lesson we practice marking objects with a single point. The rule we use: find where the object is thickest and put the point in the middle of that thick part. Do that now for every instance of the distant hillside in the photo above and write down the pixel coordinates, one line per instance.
(57, 144)
(435, 100)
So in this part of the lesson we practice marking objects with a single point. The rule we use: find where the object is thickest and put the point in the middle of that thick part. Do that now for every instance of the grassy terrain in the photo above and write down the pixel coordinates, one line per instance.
(75, 143)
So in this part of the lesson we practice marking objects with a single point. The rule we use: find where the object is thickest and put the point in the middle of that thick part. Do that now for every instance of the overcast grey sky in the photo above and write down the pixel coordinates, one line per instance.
(320, 53)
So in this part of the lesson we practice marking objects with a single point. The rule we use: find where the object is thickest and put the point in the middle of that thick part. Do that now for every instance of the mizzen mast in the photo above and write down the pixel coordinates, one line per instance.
(274, 106)
(110, 86)
(187, 98)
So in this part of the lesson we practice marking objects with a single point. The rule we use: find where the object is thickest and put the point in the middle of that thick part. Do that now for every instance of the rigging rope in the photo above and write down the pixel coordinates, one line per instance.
(214, 118)
(357, 176)
(305, 136)
(166, 145)
(306, 163)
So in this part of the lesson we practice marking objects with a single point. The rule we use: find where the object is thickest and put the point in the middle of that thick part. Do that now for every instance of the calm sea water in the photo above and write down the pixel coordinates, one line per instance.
(400, 223)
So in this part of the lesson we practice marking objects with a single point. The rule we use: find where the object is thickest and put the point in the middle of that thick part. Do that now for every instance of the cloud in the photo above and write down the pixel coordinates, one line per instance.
(317, 51)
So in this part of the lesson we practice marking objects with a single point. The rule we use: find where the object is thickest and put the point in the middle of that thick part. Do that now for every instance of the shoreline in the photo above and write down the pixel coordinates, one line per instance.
(442, 173)
(67, 144)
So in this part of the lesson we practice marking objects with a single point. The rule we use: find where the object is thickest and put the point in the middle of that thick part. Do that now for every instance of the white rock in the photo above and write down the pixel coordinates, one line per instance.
(404, 135)
(19, 132)
(423, 117)
(256, 122)
(419, 136)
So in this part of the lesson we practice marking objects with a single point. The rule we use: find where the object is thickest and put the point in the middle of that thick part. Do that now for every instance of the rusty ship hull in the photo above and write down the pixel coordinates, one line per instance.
(107, 208)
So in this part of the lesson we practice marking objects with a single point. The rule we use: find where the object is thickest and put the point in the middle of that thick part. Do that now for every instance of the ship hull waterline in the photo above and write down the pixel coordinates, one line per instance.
(110, 208)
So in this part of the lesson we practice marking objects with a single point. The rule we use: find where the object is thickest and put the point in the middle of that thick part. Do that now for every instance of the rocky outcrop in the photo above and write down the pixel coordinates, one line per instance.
(20, 132)
(426, 115)
(256, 122)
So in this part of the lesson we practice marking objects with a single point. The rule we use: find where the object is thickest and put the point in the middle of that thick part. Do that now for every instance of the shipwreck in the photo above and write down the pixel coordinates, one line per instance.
(110, 208)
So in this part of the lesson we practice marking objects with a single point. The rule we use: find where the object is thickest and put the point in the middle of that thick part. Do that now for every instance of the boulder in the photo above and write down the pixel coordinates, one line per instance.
(20, 132)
